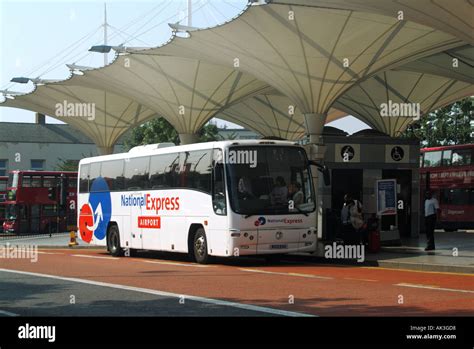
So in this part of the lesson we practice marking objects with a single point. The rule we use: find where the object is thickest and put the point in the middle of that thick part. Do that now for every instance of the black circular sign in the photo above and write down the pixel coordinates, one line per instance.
(397, 153)
(347, 153)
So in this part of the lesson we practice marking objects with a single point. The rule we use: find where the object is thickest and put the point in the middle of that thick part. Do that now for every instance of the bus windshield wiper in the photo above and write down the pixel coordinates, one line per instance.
(249, 215)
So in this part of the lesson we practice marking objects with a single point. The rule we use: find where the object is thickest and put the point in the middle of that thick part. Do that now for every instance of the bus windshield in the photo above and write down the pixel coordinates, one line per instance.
(11, 212)
(269, 180)
(12, 180)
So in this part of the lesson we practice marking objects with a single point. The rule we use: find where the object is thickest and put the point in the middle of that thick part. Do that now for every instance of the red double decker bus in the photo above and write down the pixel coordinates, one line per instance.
(448, 172)
(3, 196)
(40, 202)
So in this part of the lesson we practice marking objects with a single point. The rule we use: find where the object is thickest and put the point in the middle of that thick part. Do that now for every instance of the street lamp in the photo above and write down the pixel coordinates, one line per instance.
(10, 94)
(181, 28)
(20, 80)
(38, 81)
(119, 49)
(74, 66)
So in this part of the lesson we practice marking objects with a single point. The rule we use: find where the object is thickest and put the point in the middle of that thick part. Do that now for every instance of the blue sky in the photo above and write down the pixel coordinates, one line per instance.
(37, 38)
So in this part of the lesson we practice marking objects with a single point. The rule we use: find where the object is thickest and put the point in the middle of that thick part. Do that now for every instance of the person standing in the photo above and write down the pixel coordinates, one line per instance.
(431, 212)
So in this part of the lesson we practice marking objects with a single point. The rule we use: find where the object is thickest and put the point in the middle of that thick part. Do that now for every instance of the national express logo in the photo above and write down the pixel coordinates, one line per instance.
(260, 221)
(94, 216)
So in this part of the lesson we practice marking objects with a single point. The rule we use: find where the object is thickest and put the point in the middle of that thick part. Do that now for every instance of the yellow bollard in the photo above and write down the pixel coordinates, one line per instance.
(72, 241)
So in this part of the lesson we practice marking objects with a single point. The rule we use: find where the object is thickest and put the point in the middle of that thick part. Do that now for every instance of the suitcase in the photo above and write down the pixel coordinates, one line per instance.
(374, 241)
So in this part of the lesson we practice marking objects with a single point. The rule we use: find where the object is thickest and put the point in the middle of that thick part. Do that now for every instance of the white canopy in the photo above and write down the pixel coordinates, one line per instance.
(392, 100)
(272, 114)
(112, 114)
(187, 92)
(451, 16)
(312, 55)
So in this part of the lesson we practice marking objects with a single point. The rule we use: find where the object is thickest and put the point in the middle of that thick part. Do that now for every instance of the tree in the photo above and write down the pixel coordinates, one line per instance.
(230, 137)
(160, 130)
(71, 165)
(453, 124)
(67, 165)
(209, 133)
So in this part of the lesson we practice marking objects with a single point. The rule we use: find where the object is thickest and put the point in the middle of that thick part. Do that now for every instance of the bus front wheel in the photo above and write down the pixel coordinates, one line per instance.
(113, 241)
(199, 250)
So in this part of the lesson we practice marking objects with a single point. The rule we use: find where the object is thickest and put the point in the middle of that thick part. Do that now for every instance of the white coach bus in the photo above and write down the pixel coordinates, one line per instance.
(229, 198)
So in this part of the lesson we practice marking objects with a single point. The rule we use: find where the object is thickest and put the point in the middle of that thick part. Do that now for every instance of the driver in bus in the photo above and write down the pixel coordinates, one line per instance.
(295, 193)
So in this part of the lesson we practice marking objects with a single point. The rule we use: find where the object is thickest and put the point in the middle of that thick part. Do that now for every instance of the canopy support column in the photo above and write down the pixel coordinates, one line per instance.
(188, 138)
(104, 150)
(316, 149)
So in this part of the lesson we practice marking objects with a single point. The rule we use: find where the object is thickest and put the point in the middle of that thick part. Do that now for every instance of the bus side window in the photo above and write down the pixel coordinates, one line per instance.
(112, 173)
(218, 184)
(164, 171)
(136, 173)
(26, 181)
(36, 182)
(94, 173)
(49, 181)
(462, 157)
(446, 158)
(84, 179)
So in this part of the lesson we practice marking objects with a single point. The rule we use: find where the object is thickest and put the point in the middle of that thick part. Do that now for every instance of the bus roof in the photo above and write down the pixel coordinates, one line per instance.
(47, 173)
(448, 147)
(188, 147)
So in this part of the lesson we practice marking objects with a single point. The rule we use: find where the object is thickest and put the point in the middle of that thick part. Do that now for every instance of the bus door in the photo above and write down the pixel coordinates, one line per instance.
(135, 228)
(24, 222)
(35, 219)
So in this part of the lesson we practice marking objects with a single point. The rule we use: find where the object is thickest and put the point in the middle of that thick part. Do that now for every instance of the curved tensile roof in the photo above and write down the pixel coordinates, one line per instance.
(272, 114)
(315, 56)
(451, 16)
(430, 92)
(113, 114)
(292, 49)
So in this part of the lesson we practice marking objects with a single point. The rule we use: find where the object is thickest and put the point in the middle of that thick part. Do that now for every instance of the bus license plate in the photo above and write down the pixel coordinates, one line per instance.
(278, 247)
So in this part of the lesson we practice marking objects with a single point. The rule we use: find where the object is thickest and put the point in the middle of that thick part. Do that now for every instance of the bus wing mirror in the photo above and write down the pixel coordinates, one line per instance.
(324, 170)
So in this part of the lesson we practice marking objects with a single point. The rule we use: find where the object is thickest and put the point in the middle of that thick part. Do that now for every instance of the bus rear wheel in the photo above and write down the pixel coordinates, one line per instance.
(199, 251)
(113, 241)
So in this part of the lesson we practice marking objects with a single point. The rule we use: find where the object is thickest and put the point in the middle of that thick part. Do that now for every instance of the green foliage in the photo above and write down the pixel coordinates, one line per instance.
(230, 137)
(453, 124)
(160, 131)
(208, 133)
(67, 165)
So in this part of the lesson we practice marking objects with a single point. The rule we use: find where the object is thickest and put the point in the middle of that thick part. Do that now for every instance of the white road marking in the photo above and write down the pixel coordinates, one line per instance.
(49, 252)
(434, 288)
(7, 313)
(356, 279)
(168, 294)
(45, 236)
(288, 274)
(98, 257)
(180, 264)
